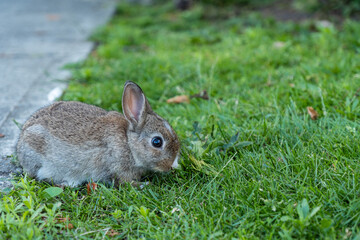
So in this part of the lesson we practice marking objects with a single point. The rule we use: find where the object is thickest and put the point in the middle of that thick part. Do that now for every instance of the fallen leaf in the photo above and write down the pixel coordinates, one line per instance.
(2, 135)
(65, 220)
(291, 85)
(91, 187)
(313, 114)
(52, 17)
(62, 219)
(69, 226)
(179, 99)
(203, 94)
(112, 233)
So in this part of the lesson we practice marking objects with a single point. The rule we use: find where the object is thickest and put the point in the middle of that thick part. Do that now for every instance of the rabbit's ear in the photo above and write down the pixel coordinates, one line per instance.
(135, 105)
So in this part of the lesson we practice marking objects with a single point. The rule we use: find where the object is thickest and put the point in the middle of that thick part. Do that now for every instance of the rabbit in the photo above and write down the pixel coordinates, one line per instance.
(69, 143)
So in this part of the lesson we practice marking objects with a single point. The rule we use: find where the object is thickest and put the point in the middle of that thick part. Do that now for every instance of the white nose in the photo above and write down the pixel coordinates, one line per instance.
(175, 163)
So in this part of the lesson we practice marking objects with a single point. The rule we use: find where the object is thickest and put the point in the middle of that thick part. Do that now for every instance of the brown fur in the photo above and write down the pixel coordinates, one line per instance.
(37, 142)
(74, 122)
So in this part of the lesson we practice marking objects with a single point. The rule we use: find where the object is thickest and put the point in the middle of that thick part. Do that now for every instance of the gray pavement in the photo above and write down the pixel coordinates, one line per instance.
(37, 38)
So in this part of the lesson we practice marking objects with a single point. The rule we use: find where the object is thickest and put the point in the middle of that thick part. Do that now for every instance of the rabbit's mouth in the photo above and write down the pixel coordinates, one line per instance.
(163, 166)
(162, 169)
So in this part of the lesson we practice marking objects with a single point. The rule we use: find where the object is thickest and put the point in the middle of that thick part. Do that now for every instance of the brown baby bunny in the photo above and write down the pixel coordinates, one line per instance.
(69, 143)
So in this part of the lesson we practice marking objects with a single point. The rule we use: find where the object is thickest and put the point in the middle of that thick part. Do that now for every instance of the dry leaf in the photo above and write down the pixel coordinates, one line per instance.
(313, 114)
(66, 221)
(2, 135)
(112, 233)
(291, 85)
(61, 219)
(179, 99)
(203, 94)
(91, 187)
(69, 226)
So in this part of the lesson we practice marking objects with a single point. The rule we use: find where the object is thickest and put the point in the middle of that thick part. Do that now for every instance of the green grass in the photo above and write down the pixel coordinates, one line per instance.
(254, 165)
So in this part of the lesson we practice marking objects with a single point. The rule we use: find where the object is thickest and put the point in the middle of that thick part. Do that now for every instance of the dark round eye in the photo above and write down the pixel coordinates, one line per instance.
(157, 142)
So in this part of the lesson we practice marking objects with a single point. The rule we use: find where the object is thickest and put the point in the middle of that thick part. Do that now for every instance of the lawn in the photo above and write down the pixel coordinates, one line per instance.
(254, 164)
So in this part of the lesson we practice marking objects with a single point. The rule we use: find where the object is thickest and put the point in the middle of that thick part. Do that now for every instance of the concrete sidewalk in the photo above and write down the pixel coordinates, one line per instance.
(38, 37)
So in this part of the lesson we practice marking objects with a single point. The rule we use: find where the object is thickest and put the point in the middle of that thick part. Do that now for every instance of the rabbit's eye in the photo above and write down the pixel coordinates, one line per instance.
(157, 142)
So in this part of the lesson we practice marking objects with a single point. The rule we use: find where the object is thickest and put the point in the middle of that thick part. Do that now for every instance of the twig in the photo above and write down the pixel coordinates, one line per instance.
(105, 233)
(204, 95)
(221, 169)
(105, 229)
(218, 222)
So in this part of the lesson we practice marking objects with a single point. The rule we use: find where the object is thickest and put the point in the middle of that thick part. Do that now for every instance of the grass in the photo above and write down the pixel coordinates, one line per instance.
(254, 165)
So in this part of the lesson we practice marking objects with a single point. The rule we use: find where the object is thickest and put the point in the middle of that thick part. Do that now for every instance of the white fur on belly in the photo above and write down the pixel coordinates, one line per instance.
(68, 164)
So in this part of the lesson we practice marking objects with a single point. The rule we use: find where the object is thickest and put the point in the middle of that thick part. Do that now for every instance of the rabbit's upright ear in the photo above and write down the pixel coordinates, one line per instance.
(135, 105)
